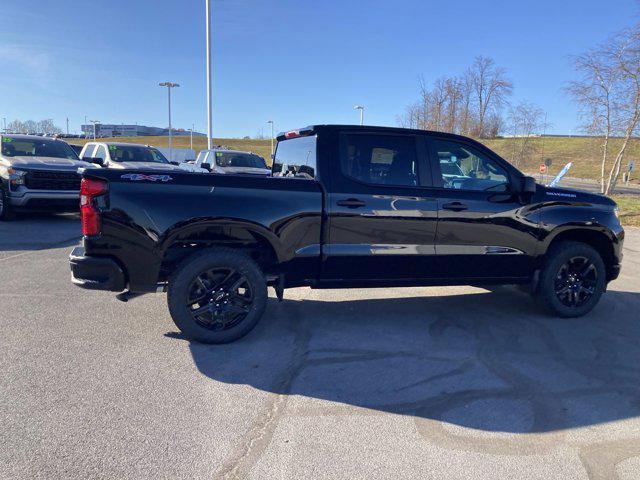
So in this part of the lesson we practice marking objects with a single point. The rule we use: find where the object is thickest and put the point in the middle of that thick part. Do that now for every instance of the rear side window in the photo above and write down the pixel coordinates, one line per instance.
(101, 152)
(88, 151)
(296, 157)
(380, 159)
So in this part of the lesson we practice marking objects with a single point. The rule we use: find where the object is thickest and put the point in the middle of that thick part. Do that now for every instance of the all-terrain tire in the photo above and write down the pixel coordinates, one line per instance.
(182, 280)
(550, 284)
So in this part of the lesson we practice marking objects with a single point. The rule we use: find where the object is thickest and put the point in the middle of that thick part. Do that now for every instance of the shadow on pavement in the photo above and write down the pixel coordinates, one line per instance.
(488, 361)
(31, 231)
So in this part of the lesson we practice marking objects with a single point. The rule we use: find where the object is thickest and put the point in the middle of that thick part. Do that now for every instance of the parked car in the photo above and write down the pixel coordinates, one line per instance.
(224, 161)
(347, 207)
(38, 174)
(125, 156)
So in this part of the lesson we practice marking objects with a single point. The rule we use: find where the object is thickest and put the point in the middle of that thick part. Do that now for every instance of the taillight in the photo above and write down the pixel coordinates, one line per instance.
(89, 213)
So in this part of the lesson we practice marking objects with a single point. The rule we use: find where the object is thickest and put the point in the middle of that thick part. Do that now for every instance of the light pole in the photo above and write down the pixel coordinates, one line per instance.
(94, 128)
(85, 122)
(4, 121)
(209, 114)
(361, 108)
(193, 127)
(272, 152)
(169, 86)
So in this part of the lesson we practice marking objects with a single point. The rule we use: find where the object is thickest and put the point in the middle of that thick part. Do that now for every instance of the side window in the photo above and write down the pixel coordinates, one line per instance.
(201, 156)
(101, 152)
(464, 168)
(88, 152)
(380, 159)
(296, 157)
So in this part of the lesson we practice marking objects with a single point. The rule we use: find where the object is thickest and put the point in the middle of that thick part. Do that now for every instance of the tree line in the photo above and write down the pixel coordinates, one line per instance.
(46, 126)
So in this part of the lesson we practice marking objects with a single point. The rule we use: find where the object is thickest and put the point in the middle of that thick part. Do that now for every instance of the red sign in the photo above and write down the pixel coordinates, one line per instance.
(543, 168)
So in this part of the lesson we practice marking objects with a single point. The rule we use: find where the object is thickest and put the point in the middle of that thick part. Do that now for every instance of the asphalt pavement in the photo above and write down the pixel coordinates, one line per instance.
(451, 382)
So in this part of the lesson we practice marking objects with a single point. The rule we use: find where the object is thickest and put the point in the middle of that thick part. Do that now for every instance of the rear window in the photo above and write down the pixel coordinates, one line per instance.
(31, 147)
(296, 157)
(133, 153)
(229, 159)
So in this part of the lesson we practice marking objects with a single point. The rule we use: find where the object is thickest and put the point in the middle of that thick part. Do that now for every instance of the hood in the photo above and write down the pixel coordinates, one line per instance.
(144, 166)
(571, 195)
(47, 163)
(249, 170)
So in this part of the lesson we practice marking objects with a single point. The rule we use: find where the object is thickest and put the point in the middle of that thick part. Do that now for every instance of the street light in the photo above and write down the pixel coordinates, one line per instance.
(271, 122)
(94, 128)
(209, 114)
(169, 86)
(361, 108)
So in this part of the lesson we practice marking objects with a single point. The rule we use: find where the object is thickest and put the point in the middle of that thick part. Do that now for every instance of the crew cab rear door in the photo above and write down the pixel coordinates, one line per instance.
(381, 214)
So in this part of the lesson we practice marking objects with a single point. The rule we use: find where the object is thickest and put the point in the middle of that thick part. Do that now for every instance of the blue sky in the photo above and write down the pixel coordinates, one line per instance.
(295, 62)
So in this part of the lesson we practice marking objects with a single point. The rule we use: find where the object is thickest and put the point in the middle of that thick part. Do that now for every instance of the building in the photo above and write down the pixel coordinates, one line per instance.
(104, 130)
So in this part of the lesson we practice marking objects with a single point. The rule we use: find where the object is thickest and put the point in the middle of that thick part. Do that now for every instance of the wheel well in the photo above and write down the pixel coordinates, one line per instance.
(254, 244)
(598, 240)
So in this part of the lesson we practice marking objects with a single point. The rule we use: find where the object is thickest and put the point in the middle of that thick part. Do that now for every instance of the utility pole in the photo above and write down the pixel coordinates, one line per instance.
(361, 108)
(272, 152)
(193, 126)
(169, 86)
(94, 128)
(85, 124)
(209, 113)
(67, 125)
(4, 121)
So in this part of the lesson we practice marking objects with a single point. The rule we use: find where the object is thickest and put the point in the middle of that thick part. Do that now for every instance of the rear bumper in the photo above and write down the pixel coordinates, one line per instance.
(96, 273)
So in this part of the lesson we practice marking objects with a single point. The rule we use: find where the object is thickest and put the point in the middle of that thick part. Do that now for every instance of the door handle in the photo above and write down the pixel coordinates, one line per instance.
(455, 206)
(351, 203)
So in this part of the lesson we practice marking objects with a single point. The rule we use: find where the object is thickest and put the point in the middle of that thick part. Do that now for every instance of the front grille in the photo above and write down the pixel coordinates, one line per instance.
(45, 180)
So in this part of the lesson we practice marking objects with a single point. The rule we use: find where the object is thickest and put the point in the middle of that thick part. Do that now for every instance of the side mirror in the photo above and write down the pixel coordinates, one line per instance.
(528, 185)
(96, 160)
(206, 166)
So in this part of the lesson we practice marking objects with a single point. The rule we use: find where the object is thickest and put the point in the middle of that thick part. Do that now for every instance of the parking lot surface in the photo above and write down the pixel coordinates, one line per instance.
(451, 382)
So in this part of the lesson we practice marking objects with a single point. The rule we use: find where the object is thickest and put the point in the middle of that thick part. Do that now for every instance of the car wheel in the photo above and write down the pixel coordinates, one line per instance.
(217, 295)
(572, 279)
(5, 208)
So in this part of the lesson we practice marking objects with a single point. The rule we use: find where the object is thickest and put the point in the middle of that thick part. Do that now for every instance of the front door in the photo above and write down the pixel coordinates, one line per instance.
(484, 231)
(382, 218)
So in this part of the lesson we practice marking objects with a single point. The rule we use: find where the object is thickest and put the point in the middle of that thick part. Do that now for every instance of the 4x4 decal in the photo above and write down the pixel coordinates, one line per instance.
(136, 177)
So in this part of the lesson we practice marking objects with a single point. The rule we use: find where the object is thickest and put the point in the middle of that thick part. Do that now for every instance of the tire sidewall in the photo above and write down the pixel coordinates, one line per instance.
(179, 289)
(561, 254)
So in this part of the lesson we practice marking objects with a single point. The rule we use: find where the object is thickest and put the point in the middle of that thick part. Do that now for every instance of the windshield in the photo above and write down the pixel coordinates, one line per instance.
(134, 153)
(36, 147)
(228, 159)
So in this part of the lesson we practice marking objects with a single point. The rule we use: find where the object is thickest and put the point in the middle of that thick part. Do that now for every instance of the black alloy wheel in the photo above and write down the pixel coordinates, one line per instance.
(219, 298)
(576, 281)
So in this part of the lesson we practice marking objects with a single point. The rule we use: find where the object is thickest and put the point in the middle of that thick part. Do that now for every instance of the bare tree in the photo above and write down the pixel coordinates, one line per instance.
(491, 89)
(469, 104)
(525, 119)
(609, 94)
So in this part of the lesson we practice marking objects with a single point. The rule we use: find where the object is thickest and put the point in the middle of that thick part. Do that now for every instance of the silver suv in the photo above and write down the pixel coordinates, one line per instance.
(38, 174)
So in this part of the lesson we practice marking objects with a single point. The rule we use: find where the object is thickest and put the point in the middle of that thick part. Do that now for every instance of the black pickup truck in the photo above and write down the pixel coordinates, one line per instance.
(345, 206)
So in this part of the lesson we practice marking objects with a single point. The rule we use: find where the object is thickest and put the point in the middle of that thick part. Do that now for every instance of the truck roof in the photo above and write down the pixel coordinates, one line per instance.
(29, 137)
(370, 128)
